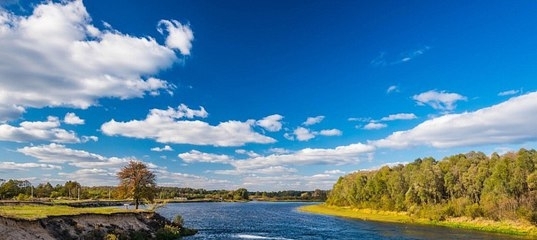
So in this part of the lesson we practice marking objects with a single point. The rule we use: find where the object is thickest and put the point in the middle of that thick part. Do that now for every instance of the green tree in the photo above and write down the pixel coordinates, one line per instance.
(240, 194)
(44, 190)
(72, 188)
(138, 182)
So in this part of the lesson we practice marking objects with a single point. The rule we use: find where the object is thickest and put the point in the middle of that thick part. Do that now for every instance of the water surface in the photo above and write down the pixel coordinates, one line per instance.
(266, 220)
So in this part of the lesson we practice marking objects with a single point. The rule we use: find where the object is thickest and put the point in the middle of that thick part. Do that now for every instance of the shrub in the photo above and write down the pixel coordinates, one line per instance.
(110, 237)
(168, 232)
(178, 220)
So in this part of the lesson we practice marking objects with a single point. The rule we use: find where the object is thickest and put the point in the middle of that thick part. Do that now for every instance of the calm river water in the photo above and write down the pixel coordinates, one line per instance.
(265, 220)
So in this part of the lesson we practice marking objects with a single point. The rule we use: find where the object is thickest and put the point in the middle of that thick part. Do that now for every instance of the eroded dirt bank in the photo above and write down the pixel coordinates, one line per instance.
(84, 226)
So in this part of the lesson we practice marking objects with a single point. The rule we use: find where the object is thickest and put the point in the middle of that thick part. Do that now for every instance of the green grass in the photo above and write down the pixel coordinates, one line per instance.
(363, 214)
(31, 212)
(505, 227)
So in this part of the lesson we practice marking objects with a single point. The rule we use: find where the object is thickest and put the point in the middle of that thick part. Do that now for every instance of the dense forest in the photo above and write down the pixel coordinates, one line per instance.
(471, 185)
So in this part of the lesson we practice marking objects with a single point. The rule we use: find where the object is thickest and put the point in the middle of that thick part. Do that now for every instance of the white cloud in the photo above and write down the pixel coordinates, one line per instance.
(73, 119)
(248, 153)
(330, 132)
(11, 166)
(271, 123)
(183, 111)
(165, 148)
(72, 63)
(162, 126)
(289, 136)
(38, 131)
(334, 172)
(355, 119)
(91, 176)
(179, 36)
(313, 120)
(289, 181)
(399, 116)
(392, 89)
(279, 150)
(89, 138)
(340, 155)
(272, 170)
(509, 92)
(303, 134)
(439, 100)
(512, 121)
(374, 126)
(60, 154)
(197, 156)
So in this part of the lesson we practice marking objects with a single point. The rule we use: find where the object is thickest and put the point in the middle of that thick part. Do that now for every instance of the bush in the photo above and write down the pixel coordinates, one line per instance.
(23, 197)
(110, 237)
(474, 211)
(178, 220)
(168, 233)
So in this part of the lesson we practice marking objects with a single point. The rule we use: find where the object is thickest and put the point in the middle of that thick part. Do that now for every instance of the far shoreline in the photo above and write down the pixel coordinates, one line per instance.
(512, 228)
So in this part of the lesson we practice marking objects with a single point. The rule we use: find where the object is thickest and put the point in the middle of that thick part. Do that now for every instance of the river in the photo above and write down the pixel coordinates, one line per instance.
(267, 220)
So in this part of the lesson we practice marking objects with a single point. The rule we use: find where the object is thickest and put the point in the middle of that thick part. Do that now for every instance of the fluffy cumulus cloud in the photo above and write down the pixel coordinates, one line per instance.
(179, 36)
(512, 121)
(303, 134)
(313, 120)
(375, 126)
(56, 49)
(271, 123)
(442, 101)
(73, 119)
(38, 131)
(331, 132)
(164, 126)
(162, 149)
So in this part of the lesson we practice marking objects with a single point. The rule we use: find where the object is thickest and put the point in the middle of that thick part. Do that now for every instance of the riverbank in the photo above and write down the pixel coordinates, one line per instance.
(505, 227)
(64, 222)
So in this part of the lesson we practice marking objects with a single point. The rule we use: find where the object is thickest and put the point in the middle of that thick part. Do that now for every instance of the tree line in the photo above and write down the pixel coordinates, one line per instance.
(137, 182)
(498, 187)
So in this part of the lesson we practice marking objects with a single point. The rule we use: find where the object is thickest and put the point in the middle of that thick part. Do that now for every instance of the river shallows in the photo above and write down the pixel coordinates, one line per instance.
(267, 220)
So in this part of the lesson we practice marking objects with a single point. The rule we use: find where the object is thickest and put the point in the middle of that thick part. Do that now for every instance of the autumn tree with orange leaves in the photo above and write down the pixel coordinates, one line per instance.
(136, 181)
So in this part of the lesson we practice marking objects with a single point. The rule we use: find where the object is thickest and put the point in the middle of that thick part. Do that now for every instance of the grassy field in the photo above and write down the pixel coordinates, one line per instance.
(505, 227)
(29, 211)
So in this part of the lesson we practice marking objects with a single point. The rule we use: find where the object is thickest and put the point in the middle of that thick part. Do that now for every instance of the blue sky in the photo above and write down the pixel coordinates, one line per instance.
(266, 95)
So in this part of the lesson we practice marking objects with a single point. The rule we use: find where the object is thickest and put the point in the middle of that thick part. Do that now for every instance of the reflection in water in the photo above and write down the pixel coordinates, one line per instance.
(262, 220)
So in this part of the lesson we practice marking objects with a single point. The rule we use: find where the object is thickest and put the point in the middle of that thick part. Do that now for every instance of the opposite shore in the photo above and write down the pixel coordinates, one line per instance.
(518, 228)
